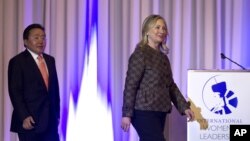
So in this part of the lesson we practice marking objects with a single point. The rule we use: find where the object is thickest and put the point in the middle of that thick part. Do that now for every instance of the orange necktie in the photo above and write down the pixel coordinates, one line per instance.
(43, 70)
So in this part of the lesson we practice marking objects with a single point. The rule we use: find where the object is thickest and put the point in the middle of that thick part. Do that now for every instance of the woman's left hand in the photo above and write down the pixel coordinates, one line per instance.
(190, 114)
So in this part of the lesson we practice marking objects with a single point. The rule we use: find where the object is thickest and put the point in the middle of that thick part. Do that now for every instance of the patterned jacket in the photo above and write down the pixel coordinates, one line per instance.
(149, 84)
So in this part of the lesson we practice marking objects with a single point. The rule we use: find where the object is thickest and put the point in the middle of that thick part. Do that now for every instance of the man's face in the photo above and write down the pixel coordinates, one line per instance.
(36, 41)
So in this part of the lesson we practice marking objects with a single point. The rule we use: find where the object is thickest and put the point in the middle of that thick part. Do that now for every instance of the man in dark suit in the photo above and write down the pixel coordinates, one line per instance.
(34, 93)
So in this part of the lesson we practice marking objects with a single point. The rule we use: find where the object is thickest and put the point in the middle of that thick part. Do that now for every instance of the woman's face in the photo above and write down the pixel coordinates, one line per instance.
(157, 34)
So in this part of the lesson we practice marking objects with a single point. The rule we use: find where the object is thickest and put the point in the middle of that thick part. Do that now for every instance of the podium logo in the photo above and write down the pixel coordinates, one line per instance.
(239, 132)
(217, 97)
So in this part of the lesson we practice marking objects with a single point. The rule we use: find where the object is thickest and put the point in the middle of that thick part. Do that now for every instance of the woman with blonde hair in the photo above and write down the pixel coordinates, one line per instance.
(149, 86)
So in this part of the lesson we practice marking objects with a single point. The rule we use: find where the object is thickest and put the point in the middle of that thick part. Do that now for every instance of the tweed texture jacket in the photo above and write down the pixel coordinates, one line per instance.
(149, 83)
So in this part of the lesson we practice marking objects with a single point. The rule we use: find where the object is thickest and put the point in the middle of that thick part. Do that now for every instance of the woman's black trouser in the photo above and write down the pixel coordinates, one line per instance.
(149, 125)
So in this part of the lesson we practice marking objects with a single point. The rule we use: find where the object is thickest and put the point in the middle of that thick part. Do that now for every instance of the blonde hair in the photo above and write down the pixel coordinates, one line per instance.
(148, 23)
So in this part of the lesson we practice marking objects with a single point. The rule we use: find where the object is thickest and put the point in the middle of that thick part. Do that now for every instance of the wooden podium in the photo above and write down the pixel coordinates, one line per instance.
(219, 98)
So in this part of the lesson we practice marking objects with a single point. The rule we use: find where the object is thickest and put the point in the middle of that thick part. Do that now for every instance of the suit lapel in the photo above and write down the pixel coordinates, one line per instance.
(31, 63)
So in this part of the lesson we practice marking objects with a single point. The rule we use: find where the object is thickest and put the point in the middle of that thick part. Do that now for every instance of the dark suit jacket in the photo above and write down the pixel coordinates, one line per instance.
(149, 83)
(29, 95)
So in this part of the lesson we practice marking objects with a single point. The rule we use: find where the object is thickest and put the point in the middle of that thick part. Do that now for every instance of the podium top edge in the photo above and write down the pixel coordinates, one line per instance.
(217, 70)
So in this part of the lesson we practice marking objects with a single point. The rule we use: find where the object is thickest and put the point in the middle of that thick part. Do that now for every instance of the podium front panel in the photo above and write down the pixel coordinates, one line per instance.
(219, 99)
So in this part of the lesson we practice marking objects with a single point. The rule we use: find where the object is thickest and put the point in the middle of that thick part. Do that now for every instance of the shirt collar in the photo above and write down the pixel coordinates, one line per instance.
(34, 55)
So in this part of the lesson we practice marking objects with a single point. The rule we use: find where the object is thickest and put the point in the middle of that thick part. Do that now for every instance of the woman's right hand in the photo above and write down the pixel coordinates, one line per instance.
(126, 121)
